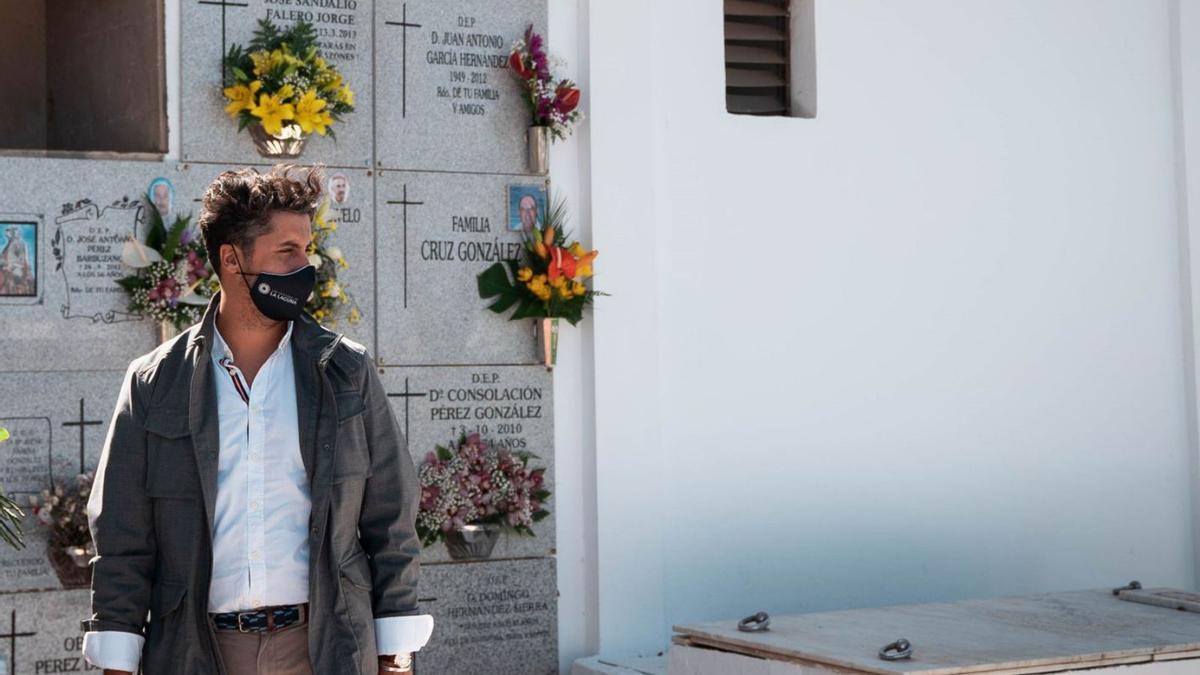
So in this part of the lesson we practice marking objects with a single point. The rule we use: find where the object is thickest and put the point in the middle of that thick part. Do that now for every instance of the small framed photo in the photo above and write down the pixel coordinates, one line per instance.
(161, 193)
(526, 206)
(339, 188)
(18, 258)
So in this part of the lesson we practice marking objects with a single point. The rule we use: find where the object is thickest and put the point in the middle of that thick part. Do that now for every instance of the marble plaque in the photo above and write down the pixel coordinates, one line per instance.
(62, 224)
(58, 423)
(447, 99)
(352, 206)
(434, 234)
(43, 636)
(209, 27)
(493, 616)
(509, 406)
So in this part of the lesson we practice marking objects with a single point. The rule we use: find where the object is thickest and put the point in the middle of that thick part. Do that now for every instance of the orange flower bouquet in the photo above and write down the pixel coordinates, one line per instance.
(546, 283)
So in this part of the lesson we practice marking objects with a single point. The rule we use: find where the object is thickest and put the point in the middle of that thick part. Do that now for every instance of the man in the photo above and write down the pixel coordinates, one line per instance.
(254, 491)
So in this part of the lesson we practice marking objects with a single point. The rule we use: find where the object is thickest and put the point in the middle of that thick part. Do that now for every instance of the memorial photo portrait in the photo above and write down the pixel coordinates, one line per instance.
(339, 188)
(526, 206)
(161, 193)
(18, 259)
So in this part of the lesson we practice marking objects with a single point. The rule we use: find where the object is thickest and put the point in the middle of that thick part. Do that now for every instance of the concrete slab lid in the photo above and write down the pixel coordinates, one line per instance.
(1045, 632)
(628, 665)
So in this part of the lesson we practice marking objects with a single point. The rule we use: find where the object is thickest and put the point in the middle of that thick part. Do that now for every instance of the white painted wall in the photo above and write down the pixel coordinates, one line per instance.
(927, 346)
(1185, 47)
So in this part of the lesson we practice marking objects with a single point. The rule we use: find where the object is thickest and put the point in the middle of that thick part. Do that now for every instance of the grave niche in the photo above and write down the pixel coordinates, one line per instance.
(210, 27)
(446, 96)
(63, 223)
(57, 423)
(435, 233)
(495, 616)
(508, 406)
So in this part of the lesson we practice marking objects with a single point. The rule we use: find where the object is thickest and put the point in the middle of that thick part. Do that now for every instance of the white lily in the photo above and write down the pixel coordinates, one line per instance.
(314, 260)
(191, 297)
(137, 255)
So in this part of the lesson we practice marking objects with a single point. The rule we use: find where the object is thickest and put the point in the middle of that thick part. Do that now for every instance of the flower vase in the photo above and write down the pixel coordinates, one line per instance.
(538, 141)
(287, 144)
(166, 330)
(546, 331)
(66, 566)
(472, 542)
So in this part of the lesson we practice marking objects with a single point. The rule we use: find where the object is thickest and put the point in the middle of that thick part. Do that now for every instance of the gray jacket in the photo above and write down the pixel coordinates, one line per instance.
(151, 508)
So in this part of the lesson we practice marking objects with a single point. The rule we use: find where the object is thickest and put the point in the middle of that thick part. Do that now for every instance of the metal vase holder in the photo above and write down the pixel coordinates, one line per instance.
(472, 542)
(287, 144)
(538, 140)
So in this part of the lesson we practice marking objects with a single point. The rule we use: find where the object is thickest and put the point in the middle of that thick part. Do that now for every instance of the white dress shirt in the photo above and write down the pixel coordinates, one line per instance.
(260, 525)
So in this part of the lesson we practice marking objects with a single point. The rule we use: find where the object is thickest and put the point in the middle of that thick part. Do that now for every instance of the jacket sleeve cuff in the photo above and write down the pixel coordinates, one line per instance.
(114, 649)
(402, 634)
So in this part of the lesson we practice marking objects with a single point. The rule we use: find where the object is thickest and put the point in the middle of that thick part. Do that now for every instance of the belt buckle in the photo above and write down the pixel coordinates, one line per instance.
(239, 620)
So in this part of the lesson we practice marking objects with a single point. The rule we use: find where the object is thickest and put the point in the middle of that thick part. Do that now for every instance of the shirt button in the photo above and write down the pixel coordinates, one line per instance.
(255, 554)
(253, 506)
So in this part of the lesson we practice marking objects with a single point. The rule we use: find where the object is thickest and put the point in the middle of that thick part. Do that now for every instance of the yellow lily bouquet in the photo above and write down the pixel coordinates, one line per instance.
(329, 300)
(281, 86)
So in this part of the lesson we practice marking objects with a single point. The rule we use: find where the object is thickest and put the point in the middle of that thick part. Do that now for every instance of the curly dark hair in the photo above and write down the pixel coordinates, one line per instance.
(237, 205)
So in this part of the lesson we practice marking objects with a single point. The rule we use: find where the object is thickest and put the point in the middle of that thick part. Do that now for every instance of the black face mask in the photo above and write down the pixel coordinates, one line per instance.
(281, 296)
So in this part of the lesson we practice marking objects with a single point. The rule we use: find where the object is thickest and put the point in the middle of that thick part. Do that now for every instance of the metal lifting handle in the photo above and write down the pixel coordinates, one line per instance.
(755, 622)
(894, 651)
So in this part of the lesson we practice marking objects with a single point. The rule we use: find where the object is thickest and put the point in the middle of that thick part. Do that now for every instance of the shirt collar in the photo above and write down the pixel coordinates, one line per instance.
(221, 348)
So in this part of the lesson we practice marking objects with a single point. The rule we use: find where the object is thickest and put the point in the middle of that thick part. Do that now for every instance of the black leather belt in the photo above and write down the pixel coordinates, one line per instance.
(260, 620)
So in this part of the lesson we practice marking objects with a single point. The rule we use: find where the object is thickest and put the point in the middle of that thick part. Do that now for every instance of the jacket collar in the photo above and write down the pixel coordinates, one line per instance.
(311, 340)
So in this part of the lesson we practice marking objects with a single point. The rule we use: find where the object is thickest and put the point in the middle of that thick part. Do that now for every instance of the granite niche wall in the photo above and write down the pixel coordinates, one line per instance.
(429, 160)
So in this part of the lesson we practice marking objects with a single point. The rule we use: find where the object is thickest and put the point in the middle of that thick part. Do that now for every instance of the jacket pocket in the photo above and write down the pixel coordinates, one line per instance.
(170, 460)
(169, 632)
(165, 597)
(352, 460)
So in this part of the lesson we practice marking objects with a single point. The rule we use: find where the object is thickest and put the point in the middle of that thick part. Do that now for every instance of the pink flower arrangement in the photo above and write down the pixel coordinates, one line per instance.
(472, 482)
(552, 104)
(62, 509)
(172, 280)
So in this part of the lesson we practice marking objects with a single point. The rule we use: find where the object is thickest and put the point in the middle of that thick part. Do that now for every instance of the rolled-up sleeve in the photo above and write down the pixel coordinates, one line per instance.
(113, 649)
(402, 634)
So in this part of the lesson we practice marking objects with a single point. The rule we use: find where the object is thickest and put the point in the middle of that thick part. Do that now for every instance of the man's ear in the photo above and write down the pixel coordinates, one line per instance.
(229, 260)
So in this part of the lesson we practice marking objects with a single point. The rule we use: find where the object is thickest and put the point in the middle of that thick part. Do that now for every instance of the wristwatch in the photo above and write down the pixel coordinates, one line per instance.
(396, 663)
